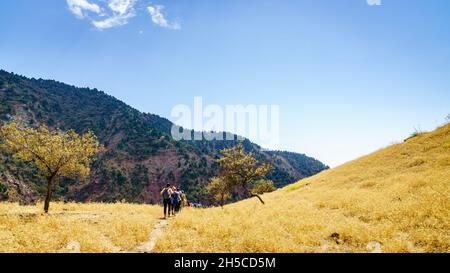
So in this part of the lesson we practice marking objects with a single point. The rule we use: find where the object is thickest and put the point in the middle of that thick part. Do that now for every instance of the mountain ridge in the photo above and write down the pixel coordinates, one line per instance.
(140, 156)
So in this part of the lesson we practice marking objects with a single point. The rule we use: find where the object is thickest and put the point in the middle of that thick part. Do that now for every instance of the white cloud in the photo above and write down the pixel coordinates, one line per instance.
(156, 12)
(121, 7)
(104, 14)
(113, 21)
(122, 11)
(79, 7)
(374, 2)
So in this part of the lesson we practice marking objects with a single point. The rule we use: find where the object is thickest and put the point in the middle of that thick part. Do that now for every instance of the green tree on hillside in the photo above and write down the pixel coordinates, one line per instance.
(220, 190)
(263, 186)
(240, 170)
(54, 153)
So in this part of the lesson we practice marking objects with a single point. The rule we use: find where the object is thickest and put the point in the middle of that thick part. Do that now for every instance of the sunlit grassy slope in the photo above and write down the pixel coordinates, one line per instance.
(397, 198)
(93, 227)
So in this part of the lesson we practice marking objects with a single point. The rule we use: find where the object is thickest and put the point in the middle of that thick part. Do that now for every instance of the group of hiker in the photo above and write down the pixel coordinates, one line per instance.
(173, 200)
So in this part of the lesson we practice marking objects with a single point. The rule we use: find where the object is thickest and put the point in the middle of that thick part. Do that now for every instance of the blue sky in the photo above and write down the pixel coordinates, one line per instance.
(349, 77)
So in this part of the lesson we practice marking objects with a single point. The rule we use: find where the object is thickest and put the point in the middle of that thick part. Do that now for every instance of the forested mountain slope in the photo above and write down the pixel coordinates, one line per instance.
(140, 156)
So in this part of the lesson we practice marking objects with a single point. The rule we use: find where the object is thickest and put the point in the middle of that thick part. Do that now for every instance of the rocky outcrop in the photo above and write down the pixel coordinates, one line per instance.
(16, 191)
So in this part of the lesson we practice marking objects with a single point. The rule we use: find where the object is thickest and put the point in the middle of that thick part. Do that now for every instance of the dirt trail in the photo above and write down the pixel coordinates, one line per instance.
(158, 230)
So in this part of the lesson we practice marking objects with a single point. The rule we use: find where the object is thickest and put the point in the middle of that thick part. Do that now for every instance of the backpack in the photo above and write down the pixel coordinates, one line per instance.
(175, 198)
(166, 194)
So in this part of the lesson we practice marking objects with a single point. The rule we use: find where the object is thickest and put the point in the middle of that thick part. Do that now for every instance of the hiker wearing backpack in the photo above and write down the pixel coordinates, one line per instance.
(166, 194)
(184, 200)
(172, 201)
(176, 200)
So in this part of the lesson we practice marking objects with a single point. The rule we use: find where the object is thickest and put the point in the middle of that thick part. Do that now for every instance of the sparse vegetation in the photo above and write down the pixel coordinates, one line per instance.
(414, 134)
(97, 228)
(384, 198)
(54, 153)
(3, 192)
(240, 170)
(263, 186)
(220, 190)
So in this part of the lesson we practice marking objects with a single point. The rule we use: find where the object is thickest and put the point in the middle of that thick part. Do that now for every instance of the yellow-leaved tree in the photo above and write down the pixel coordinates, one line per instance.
(263, 186)
(220, 190)
(54, 153)
(239, 169)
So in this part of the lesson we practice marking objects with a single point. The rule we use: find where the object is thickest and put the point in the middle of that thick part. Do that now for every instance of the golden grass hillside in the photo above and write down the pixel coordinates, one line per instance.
(395, 200)
(75, 227)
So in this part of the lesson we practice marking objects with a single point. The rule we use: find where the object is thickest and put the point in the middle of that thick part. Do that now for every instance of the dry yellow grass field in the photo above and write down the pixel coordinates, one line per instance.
(395, 200)
(93, 227)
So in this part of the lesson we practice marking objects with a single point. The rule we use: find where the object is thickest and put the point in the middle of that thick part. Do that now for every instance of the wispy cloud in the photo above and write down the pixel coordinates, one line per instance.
(105, 14)
(121, 7)
(113, 21)
(80, 7)
(122, 11)
(374, 2)
(158, 17)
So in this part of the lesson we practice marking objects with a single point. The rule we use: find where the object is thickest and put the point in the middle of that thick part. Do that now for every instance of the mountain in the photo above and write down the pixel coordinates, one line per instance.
(394, 200)
(141, 156)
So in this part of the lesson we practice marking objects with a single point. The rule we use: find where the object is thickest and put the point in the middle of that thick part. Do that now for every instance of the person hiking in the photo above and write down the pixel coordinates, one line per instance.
(172, 203)
(184, 200)
(176, 200)
(166, 194)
